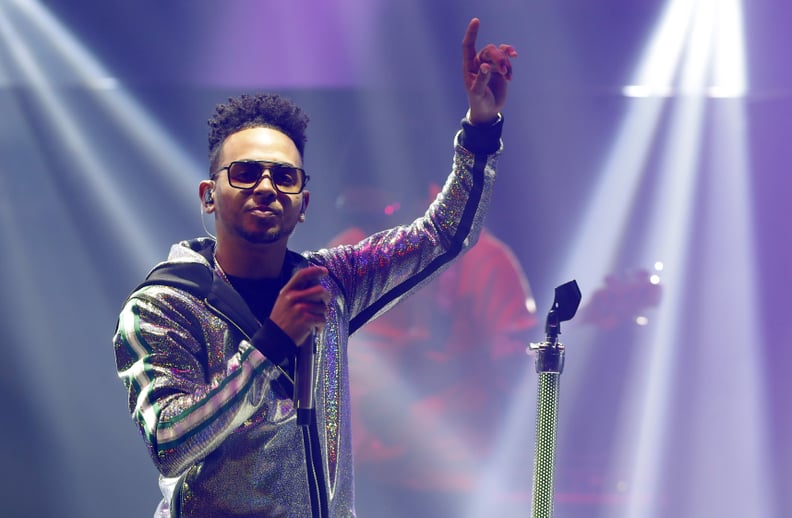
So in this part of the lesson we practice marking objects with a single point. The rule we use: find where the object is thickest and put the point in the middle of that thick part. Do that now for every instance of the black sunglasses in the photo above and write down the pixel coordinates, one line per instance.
(246, 174)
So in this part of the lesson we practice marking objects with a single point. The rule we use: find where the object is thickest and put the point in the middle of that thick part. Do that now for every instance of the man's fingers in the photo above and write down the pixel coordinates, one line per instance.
(479, 85)
(318, 309)
(498, 58)
(308, 276)
(491, 54)
(469, 43)
(305, 288)
(508, 50)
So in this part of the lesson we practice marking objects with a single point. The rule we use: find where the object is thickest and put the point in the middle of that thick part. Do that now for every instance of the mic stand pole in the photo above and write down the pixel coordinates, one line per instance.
(549, 366)
(304, 378)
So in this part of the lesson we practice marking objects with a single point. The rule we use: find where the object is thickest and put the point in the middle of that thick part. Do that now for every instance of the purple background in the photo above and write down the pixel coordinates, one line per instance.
(381, 82)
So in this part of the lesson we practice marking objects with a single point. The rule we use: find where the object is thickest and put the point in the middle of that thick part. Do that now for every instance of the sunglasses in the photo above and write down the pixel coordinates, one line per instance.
(247, 174)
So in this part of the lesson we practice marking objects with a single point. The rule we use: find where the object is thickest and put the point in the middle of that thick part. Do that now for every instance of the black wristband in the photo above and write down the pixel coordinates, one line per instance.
(276, 345)
(481, 140)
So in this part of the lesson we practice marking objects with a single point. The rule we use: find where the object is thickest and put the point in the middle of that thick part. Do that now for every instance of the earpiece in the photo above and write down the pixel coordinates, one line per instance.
(208, 197)
(303, 206)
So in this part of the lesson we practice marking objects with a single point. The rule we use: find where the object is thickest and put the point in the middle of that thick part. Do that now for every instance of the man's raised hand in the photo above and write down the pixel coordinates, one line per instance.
(486, 74)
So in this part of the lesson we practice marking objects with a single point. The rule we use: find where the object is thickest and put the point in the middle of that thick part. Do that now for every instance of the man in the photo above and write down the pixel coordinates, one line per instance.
(208, 345)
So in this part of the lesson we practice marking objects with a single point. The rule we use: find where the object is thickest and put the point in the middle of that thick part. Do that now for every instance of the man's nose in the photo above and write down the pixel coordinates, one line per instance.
(270, 185)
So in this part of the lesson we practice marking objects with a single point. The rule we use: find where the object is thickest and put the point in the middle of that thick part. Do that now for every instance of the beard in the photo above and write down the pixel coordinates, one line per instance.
(261, 238)
(271, 234)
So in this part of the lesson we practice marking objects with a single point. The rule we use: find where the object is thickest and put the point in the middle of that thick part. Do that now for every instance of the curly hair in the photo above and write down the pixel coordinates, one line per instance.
(267, 110)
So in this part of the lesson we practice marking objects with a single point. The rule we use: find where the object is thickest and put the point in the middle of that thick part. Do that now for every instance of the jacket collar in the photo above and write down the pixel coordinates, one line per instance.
(190, 266)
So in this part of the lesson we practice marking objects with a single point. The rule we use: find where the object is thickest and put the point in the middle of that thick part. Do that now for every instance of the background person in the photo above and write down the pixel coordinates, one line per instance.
(433, 377)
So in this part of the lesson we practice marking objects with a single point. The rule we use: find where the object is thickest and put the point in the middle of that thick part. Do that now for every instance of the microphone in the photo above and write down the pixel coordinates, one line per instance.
(304, 378)
(305, 373)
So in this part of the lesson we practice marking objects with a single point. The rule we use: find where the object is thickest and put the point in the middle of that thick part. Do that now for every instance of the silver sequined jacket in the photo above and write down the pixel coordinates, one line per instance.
(217, 415)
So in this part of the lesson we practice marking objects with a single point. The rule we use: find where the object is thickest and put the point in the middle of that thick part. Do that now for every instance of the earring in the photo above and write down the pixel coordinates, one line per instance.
(302, 216)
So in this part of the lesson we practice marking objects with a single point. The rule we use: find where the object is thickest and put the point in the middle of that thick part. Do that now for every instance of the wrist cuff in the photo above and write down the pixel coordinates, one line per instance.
(481, 140)
(276, 345)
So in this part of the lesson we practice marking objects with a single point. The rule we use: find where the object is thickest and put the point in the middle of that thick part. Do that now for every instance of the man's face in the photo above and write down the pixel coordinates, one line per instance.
(260, 215)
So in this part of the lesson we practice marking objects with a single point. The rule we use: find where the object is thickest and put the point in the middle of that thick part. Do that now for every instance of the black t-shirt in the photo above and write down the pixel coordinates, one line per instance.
(260, 295)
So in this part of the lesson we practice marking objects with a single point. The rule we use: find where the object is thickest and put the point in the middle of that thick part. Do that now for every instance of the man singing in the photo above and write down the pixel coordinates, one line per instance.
(211, 345)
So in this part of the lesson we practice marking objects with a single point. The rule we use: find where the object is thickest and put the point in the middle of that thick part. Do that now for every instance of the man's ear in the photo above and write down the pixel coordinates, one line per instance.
(206, 195)
(306, 197)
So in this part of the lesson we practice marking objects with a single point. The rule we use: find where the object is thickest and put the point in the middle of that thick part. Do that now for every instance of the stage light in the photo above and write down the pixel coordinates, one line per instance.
(729, 70)
(684, 109)
(706, 37)
(71, 222)
(710, 64)
(644, 91)
(45, 60)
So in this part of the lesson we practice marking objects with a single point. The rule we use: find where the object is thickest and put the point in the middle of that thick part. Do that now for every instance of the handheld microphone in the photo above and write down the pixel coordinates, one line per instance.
(304, 379)
(305, 373)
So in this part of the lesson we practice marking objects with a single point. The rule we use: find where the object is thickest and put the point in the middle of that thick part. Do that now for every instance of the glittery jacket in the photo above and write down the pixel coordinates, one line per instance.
(212, 396)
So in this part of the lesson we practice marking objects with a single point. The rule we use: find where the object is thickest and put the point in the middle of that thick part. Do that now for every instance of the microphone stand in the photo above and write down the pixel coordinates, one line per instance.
(549, 366)
(304, 379)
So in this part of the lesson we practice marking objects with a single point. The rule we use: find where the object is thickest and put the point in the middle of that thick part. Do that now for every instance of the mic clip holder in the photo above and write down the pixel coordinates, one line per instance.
(550, 353)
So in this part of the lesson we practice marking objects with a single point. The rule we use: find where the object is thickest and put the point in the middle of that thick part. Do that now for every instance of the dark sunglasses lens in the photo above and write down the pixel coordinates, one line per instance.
(244, 173)
(286, 178)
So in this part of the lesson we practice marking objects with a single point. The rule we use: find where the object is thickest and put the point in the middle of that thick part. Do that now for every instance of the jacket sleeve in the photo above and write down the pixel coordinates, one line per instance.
(183, 407)
(385, 267)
